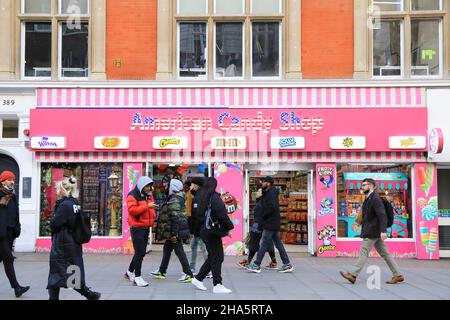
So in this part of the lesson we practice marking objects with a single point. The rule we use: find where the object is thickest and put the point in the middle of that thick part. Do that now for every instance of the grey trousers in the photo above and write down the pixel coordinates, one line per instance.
(381, 248)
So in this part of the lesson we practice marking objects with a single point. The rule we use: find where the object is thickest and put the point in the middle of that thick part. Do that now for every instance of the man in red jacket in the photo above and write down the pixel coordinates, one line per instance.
(141, 215)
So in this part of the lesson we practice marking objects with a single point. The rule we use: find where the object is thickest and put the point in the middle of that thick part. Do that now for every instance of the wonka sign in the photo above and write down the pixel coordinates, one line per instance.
(312, 127)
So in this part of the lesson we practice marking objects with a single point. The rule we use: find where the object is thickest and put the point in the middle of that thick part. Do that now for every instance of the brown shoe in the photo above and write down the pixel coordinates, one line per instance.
(348, 276)
(396, 279)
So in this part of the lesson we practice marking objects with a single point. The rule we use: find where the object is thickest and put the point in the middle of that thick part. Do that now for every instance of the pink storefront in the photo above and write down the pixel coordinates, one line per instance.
(317, 143)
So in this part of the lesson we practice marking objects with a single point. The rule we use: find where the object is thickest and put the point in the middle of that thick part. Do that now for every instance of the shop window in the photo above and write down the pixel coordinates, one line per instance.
(99, 195)
(239, 31)
(407, 38)
(192, 50)
(229, 50)
(426, 48)
(387, 50)
(229, 7)
(393, 183)
(418, 5)
(266, 7)
(192, 7)
(70, 21)
(10, 128)
(266, 49)
(74, 50)
(73, 7)
(36, 6)
(38, 43)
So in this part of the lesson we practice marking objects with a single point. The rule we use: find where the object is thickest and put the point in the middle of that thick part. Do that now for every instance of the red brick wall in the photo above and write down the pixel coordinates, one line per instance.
(131, 37)
(327, 39)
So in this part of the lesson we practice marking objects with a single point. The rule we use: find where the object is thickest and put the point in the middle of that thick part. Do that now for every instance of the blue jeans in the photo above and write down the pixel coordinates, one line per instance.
(269, 236)
(195, 243)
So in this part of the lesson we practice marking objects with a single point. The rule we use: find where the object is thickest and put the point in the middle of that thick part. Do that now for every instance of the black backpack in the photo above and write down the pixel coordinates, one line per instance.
(389, 212)
(82, 229)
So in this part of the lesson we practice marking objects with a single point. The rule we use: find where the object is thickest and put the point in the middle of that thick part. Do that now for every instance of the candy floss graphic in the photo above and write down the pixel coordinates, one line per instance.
(326, 208)
(230, 185)
(130, 178)
(427, 242)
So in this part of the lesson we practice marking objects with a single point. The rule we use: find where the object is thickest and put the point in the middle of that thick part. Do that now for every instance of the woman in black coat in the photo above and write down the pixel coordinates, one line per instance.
(66, 255)
(212, 236)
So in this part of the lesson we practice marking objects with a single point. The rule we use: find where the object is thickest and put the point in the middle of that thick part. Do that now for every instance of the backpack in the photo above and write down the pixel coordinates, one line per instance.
(213, 227)
(82, 229)
(389, 212)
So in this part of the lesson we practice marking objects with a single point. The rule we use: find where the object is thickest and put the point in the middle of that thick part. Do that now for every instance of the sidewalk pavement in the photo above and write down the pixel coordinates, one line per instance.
(313, 279)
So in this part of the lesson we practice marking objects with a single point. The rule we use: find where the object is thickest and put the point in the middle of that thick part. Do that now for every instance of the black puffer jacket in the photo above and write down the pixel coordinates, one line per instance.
(65, 251)
(9, 215)
(271, 219)
(218, 213)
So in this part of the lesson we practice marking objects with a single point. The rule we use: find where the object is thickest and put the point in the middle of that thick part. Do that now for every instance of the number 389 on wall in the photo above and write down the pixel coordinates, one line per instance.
(8, 102)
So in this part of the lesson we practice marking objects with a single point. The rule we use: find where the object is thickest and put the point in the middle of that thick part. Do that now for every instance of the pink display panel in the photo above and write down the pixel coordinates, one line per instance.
(326, 210)
(230, 185)
(427, 228)
(131, 174)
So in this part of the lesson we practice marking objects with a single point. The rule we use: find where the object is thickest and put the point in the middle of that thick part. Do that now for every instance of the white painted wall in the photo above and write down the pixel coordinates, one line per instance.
(438, 102)
(15, 148)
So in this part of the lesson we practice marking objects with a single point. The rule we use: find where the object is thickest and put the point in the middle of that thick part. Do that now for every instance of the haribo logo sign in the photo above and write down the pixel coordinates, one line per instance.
(48, 142)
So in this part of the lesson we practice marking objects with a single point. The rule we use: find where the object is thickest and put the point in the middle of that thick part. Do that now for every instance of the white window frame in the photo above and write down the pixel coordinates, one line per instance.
(280, 52)
(60, 75)
(22, 10)
(184, 14)
(22, 54)
(235, 14)
(243, 53)
(441, 54)
(441, 7)
(201, 77)
(280, 6)
(60, 13)
(402, 53)
(402, 6)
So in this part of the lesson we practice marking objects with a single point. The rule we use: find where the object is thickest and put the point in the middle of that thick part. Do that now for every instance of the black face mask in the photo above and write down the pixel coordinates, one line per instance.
(366, 191)
(193, 192)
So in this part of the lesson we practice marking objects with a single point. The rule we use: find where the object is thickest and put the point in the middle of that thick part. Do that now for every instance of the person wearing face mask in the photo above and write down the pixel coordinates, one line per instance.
(373, 232)
(9, 228)
(173, 229)
(141, 209)
(195, 222)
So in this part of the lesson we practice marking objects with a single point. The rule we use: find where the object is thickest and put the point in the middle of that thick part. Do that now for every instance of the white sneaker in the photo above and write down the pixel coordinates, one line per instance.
(183, 277)
(140, 282)
(219, 288)
(130, 276)
(198, 284)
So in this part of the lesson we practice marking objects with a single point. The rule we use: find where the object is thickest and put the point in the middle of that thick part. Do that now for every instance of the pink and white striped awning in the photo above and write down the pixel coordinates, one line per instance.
(231, 97)
(198, 157)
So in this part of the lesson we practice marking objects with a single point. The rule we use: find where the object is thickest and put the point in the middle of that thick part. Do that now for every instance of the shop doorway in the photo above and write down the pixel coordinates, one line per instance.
(295, 184)
(9, 164)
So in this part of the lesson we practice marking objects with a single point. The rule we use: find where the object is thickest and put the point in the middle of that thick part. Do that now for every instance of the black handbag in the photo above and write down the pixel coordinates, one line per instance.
(213, 226)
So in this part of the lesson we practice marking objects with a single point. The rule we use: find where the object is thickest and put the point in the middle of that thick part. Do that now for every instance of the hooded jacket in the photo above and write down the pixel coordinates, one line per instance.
(139, 214)
(172, 219)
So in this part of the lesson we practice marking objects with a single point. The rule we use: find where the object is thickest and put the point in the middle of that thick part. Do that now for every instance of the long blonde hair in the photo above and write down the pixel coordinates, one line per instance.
(68, 187)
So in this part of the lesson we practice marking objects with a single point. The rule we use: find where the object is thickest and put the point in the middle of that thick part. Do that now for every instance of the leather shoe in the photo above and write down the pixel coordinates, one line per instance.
(396, 279)
(19, 291)
(348, 276)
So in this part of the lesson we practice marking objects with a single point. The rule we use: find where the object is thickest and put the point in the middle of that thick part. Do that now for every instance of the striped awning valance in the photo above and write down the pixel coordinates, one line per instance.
(251, 158)
(231, 97)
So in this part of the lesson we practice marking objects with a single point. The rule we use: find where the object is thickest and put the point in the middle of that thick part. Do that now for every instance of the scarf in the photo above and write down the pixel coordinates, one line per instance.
(7, 195)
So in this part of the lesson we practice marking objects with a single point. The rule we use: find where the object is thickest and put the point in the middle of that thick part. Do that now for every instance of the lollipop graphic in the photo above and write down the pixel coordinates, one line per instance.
(133, 176)
(429, 213)
(422, 203)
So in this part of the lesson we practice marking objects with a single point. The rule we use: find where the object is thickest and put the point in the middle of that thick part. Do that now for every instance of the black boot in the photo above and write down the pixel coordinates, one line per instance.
(19, 291)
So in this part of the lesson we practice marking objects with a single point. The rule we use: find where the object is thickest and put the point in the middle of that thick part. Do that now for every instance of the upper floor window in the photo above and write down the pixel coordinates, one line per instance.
(230, 39)
(69, 19)
(9, 128)
(407, 39)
